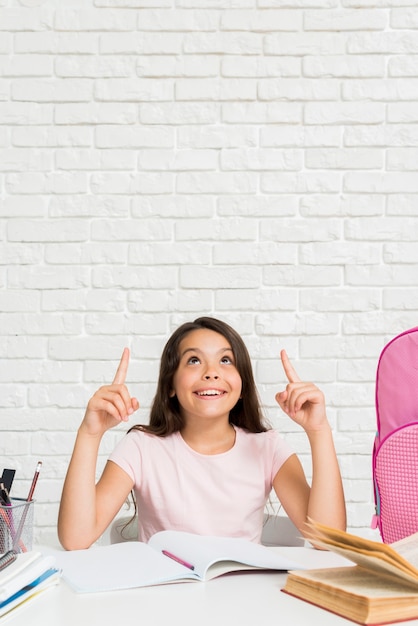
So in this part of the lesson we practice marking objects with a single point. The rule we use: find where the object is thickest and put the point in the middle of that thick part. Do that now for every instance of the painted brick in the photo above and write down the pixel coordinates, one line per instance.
(160, 161)
(346, 20)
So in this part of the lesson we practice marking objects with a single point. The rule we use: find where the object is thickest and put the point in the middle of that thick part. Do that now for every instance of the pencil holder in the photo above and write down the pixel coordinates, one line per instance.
(16, 526)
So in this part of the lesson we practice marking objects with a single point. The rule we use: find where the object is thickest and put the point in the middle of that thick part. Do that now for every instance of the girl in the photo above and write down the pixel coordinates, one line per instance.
(207, 461)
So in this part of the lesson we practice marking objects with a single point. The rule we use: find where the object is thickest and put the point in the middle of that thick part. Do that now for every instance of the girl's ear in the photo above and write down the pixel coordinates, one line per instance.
(172, 393)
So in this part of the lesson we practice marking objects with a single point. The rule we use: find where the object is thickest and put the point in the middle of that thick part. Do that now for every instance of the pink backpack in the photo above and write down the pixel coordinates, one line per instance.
(395, 451)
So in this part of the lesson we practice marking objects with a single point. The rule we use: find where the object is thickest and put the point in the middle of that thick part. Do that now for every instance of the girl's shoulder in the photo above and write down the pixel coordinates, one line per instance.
(267, 437)
(140, 441)
(268, 445)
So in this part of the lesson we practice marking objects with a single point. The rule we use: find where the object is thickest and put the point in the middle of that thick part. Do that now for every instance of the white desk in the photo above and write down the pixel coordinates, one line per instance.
(244, 599)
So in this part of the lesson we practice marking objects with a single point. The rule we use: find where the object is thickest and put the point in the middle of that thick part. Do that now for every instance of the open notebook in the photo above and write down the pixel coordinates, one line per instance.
(169, 556)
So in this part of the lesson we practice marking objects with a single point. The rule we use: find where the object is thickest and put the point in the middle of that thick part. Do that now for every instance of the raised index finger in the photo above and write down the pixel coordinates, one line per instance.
(289, 370)
(122, 370)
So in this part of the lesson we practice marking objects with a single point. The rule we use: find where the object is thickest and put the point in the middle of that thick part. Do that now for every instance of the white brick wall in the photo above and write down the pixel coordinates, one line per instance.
(255, 160)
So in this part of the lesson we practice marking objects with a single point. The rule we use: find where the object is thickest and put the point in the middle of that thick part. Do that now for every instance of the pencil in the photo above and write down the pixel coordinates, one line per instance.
(34, 481)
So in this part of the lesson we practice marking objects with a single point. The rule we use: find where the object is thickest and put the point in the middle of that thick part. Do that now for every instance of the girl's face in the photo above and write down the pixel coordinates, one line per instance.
(207, 383)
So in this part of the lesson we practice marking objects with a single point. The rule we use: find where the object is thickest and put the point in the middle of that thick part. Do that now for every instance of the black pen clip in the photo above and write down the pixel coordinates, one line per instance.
(7, 478)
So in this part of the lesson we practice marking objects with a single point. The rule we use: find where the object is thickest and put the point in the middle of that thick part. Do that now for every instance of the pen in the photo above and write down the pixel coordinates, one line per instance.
(6, 502)
(176, 558)
(34, 481)
(25, 510)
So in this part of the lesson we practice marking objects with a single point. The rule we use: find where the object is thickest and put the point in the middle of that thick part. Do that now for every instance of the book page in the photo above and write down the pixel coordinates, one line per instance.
(23, 560)
(357, 581)
(211, 556)
(408, 548)
(377, 563)
(352, 547)
(118, 566)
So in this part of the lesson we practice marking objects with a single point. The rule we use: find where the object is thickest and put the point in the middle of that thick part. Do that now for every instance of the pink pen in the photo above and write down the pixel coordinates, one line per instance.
(176, 558)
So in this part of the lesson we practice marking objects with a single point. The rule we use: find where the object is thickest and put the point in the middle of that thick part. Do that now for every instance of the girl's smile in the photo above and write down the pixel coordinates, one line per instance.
(209, 393)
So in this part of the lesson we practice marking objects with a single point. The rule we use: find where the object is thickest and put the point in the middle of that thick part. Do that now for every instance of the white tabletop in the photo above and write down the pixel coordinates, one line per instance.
(246, 598)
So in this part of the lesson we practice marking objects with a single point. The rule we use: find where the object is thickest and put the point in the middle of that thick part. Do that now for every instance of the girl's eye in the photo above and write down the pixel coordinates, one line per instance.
(226, 359)
(193, 360)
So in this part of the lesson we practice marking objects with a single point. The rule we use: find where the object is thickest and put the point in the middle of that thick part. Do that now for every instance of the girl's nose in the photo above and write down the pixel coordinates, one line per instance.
(209, 376)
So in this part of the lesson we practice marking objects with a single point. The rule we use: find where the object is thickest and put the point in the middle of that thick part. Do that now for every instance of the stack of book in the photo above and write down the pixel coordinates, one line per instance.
(25, 576)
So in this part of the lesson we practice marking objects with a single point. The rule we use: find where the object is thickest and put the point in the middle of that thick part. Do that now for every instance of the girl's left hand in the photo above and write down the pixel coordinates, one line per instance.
(302, 401)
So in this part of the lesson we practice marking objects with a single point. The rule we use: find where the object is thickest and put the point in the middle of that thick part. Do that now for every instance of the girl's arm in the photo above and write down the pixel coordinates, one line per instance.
(86, 509)
(324, 500)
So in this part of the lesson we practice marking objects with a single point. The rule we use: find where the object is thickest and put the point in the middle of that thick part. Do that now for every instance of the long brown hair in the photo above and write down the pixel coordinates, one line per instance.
(165, 415)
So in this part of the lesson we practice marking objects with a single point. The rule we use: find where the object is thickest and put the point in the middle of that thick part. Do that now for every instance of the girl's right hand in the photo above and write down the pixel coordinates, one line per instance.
(111, 404)
(302, 401)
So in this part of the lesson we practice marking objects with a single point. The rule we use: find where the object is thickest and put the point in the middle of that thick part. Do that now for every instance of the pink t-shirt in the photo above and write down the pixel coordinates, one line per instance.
(177, 488)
